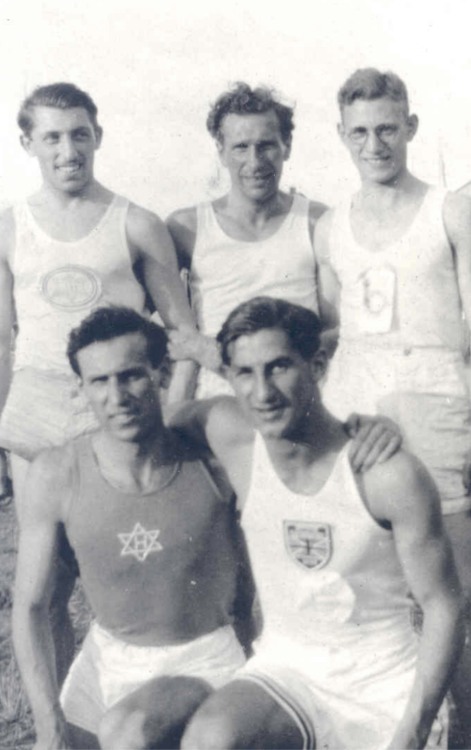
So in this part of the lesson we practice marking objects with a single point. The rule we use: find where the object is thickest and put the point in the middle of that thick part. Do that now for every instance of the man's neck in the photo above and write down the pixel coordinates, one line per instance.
(59, 200)
(256, 214)
(403, 187)
(320, 434)
(137, 466)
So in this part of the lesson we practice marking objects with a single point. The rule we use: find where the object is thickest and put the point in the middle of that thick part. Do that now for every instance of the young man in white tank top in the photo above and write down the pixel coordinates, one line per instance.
(72, 246)
(334, 556)
(255, 240)
(396, 258)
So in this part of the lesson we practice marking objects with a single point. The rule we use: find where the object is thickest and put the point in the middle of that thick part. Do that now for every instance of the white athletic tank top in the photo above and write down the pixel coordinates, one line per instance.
(326, 572)
(57, 284)
(406, 295)
(226, 272)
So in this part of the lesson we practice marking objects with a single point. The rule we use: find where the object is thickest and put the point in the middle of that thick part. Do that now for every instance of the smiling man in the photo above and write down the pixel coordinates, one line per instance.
(155, 540)
(396, 256)
(70, 247)
(334, 556)
(254, 240)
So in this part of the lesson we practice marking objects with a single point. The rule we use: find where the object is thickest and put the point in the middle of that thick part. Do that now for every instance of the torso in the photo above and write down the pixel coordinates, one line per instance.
(327, 573)
(158, 567)
(59, 281)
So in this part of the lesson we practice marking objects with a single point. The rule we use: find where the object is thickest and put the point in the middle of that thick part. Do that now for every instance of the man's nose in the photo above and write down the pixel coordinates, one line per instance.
(373, 143)
(68, 148)
(253, 156)
(116, 391)
(263, 389)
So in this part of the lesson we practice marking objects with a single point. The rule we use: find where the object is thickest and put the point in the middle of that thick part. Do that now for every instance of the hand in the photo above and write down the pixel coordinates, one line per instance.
(375, 439)
(187, 343)
(467, 474)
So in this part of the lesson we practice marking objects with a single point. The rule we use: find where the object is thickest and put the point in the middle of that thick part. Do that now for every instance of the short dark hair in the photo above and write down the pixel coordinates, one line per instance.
(59, 95)
(370, 83)
(106, 323)
(242, 100)
(301, 325)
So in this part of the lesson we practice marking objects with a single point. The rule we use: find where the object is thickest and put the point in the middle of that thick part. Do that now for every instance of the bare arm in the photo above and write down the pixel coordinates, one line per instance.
(154, 252)
(457, 220)
(35, 583)
(328, 285)
(7, 234)
(402, 493)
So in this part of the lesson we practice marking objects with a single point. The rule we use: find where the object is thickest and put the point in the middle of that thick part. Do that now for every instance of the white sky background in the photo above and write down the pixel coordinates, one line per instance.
(153, 67)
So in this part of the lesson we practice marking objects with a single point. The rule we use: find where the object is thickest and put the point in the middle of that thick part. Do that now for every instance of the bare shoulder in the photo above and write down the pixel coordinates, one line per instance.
(227, 425)
(399, 488)
(140, 219)
(7, 232)
(50, 481)
(465, 189)
(456, 209)
(182, 225)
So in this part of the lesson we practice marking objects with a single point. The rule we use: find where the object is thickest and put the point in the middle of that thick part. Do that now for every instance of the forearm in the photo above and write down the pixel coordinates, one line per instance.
(183, 383)
(440, 645)
(35, 655)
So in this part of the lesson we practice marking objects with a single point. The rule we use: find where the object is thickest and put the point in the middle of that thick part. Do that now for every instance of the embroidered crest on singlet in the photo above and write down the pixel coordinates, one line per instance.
(140, 543)
(308, 544)
(378, 288)
(71, 287)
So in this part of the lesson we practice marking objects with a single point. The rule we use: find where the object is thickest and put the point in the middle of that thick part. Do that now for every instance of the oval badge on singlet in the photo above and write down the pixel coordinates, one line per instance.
(71, 287)
(308, 544)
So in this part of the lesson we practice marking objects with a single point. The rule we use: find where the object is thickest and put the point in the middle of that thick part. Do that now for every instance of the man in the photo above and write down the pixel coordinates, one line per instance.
(256, 239)
(70, 247)
(155, 543)
(334, 556)
(399, 251)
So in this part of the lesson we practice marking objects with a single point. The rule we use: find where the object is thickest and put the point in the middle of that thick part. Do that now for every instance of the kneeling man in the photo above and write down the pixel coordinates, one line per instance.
(335, 555)
(155, 543)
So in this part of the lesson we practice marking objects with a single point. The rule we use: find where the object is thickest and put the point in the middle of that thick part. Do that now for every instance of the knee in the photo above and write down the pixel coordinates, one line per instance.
(119, 728)
(208, 730)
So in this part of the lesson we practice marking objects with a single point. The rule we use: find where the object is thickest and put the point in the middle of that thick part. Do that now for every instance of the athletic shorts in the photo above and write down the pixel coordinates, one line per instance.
(43, 409)
(424, 391)
(107, 670)
(336, 701)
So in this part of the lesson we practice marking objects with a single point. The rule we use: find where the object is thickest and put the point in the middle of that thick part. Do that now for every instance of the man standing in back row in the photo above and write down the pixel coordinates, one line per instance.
(254, 240)
(396, 257)
(69, 248)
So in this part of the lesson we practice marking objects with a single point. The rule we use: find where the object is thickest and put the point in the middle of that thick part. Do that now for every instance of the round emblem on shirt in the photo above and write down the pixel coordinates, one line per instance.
(71, 287)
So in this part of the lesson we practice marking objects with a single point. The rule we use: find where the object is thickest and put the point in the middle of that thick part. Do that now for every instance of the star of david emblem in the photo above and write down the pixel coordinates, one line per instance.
(140, 543)
(308, 544)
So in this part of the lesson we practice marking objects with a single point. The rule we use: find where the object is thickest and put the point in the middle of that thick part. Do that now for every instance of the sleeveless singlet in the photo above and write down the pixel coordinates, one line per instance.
(226, 272)
(57, 284)
(135, 550)
(327, 574)
(404, 296)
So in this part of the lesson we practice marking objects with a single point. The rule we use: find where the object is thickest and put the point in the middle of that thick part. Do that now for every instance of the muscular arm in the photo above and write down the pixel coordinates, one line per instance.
(45, 491)
(402, 493)
(7, 234)
(327, 283)
(152, 249)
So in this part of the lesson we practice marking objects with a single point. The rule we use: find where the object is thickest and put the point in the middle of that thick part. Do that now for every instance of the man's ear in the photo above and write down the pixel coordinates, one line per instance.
(341, 131)
(98, 136)
(318, 363)
(164, 372)
(288, 143)
(27, 144)
(412, 126)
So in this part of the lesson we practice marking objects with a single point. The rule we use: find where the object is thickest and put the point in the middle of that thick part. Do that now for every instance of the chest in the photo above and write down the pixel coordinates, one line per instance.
(378, 230)
(68, 225)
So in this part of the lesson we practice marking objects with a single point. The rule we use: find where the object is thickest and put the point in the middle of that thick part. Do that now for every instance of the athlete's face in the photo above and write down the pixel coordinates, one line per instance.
(275, 386)
(121, 386)
(253, 151)
(376, 133)
(64, 141)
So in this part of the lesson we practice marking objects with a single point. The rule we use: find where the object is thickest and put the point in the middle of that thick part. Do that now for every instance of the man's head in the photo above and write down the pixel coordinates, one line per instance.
(271, 349)
(60, 128)
(375, 123)
(117, 355)
(253, 132)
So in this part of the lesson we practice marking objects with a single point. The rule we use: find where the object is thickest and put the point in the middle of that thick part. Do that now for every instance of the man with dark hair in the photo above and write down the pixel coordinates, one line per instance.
(155, 540)
(70, 247)
(396, 258)
(334, 557)
(255, 240)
